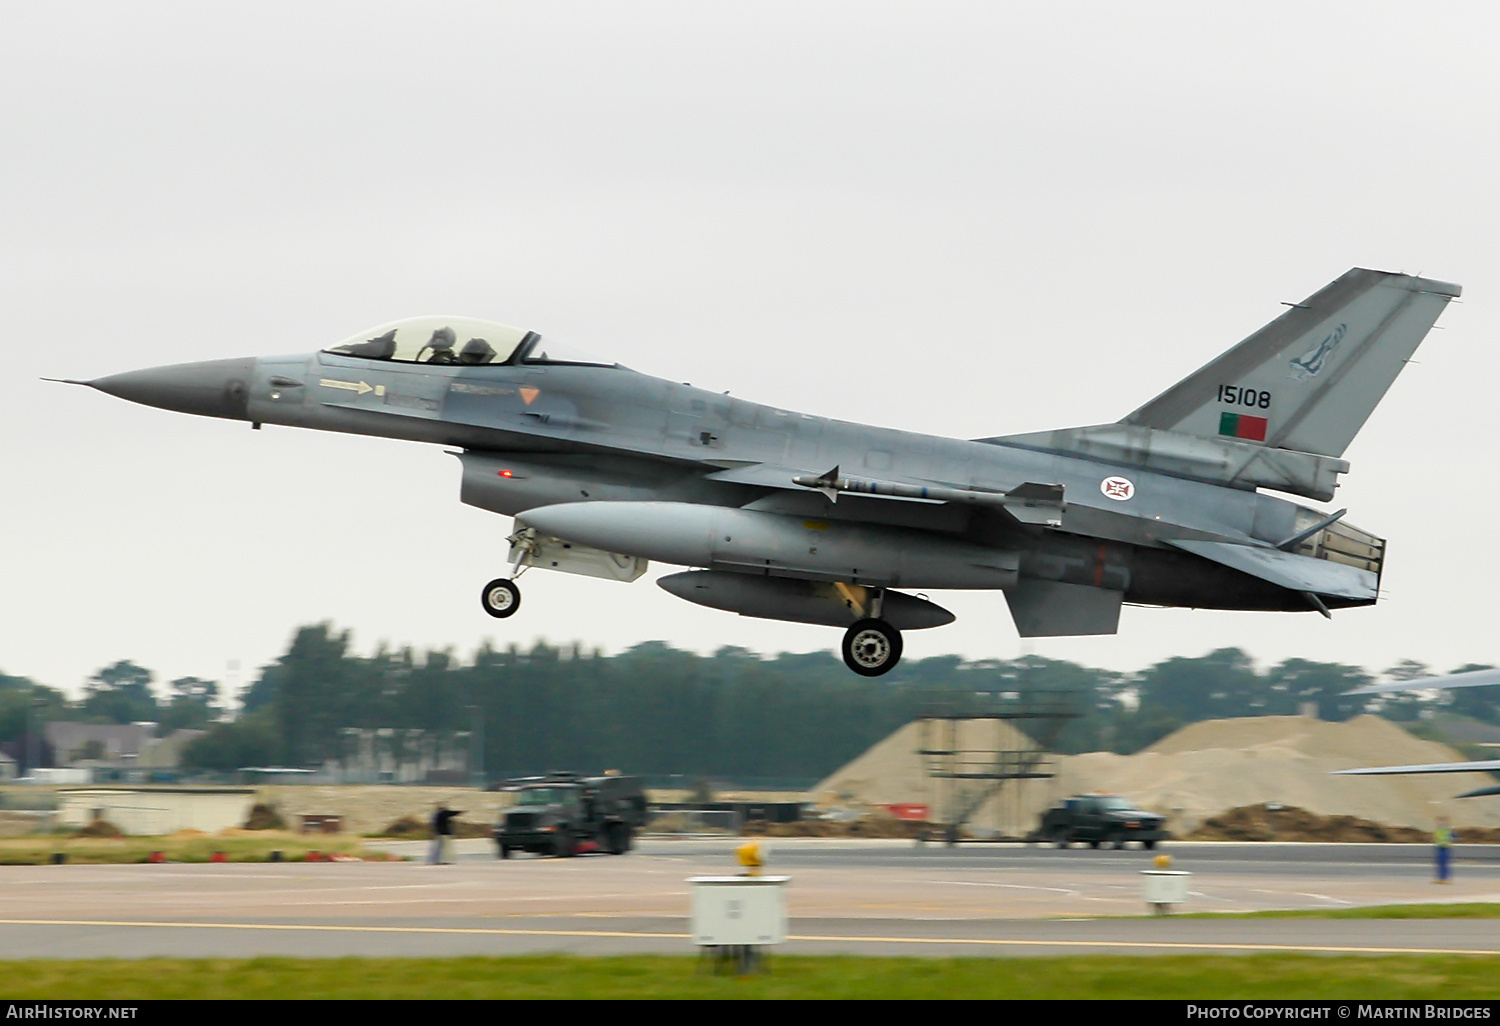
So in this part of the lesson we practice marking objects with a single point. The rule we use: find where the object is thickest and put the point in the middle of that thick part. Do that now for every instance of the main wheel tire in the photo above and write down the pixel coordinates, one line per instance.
(872, 647)
(562, 844)
(500, 598)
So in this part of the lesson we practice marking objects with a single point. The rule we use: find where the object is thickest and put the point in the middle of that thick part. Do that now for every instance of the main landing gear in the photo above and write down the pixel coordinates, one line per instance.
(872, 647)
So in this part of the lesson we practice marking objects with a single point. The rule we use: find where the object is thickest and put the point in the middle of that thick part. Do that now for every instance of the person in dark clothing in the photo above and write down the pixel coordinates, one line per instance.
(442, 829)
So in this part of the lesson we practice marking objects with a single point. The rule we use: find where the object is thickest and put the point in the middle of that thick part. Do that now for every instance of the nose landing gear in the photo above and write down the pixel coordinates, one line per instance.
(500, 598)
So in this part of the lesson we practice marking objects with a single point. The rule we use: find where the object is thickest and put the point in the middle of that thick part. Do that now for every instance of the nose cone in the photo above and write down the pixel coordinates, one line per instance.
(213, 388)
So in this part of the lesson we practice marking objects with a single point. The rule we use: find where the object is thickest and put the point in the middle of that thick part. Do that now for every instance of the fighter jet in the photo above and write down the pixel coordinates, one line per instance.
(792, 516)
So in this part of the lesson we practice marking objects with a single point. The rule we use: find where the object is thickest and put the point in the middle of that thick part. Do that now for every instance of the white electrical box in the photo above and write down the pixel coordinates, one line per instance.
(739, 910)
(1165, 887)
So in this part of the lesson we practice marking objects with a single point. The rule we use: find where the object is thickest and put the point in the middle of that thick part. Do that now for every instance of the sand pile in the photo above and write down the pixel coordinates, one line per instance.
(1208, 768)
(1202, 771)
(895, 772)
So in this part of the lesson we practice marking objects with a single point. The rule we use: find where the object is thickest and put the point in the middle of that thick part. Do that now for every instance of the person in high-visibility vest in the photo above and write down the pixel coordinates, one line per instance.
(1442, 849)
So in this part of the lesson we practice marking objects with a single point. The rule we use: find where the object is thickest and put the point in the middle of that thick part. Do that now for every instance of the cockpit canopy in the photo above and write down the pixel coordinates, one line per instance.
(458, 340)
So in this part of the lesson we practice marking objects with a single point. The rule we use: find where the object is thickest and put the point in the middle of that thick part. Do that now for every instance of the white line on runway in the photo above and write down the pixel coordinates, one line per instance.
(928, 881)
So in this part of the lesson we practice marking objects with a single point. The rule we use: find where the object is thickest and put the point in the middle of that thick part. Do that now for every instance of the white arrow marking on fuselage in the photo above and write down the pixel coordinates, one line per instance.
(353, 386)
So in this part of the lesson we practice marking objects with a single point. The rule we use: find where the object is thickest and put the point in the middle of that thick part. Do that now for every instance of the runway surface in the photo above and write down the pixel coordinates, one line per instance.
(863, 897)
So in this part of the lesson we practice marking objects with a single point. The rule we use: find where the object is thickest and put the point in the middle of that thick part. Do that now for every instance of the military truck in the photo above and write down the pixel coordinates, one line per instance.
(1100, 819)
(563, 814)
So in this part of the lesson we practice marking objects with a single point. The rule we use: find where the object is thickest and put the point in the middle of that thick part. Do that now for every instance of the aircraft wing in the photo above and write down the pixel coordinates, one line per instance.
(1297, 573)
(1472, 679)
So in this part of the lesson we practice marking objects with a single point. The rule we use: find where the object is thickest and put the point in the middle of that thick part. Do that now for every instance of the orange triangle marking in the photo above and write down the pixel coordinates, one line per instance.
(528, 394)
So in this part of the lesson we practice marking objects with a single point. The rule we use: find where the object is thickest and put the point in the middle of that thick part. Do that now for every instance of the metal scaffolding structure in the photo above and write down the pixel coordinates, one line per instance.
(969, 771)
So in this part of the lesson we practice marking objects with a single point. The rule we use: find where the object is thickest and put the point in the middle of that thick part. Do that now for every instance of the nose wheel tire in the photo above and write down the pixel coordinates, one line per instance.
(500, 598)
(872, 647)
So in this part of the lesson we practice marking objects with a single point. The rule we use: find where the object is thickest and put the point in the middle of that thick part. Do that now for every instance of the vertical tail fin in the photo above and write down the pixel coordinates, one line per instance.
(1310, 379)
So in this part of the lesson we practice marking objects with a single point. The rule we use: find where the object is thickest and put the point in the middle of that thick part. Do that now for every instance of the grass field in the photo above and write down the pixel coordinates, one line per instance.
(1257, 977)
(251, 846)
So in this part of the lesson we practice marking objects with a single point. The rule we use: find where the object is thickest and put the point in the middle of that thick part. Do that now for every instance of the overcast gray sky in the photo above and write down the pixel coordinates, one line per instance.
(963, 219)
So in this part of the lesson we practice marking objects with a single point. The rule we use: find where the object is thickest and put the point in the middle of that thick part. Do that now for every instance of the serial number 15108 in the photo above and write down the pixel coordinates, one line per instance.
(1234, 395)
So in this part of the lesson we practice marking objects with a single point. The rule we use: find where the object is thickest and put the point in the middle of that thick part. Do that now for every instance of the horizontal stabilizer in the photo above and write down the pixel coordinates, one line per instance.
(1296, 573)
(1051, 609)
(1472, 679)
(1482, 766)
(1310, 379)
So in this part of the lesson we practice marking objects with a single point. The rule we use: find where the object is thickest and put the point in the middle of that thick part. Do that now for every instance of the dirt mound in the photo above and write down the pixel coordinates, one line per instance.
(893, 771)
(868, 826)
(412, 829)
(1288, 823)
(264, 817)
(100, 828)
(408, 828)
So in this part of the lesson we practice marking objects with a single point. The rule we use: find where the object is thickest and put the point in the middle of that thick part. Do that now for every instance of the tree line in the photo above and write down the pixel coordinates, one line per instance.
(656, 711)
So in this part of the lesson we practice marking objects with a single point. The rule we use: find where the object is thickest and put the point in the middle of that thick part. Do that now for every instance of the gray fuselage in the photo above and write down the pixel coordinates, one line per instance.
(578, 433)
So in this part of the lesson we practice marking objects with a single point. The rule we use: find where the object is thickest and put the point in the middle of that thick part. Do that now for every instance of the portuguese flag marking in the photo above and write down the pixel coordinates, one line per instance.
(1237, 425)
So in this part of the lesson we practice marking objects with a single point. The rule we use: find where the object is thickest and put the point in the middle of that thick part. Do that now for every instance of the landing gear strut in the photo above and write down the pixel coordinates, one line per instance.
(872, 647)
(501, 597)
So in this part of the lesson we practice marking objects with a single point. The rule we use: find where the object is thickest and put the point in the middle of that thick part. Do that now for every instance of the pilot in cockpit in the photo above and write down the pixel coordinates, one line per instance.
(476, 350)
(441, 345)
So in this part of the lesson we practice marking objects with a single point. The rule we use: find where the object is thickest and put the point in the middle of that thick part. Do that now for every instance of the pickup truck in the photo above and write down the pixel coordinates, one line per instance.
(1100, 819)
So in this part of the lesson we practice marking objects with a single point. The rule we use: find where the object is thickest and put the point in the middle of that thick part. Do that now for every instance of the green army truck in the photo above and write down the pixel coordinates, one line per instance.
(563, 814)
